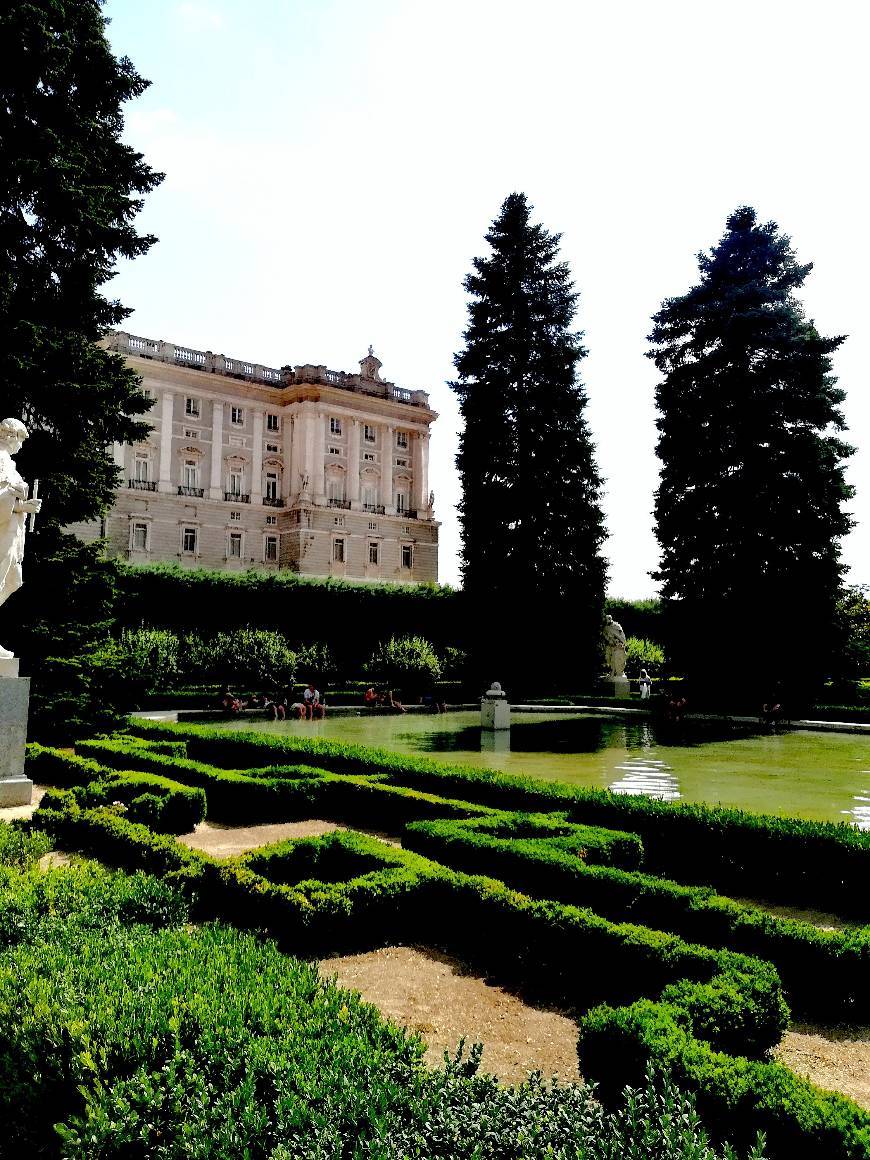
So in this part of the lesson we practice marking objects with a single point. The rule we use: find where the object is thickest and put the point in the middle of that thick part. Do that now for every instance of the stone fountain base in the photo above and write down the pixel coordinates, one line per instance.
(15, 788)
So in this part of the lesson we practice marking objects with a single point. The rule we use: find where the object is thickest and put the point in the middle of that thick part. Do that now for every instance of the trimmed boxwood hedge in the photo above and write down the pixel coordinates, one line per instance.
(782, 859)
(825, 973)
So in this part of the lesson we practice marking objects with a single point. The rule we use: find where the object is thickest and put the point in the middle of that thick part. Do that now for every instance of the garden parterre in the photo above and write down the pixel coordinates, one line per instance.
(707, 1014)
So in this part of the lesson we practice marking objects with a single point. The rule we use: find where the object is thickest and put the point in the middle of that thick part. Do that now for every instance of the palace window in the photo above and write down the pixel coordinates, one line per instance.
(248, 369)
(271, 521)
(139, 541)
(401, 502)
(191, 407)
(401, 463)
(407, 556)
(335, 489)
(142, 466)
(191, 433)
(237, 416)
(271, 485)
(273, 447)
(234, 546)
(273, 423)
(234, 481)
(235, 517)
(374, 552)
(338, 521)
(270, 553)
(368, 457)
(370, 497)
(370, 435)
(335, 451)
(373, 527)
(338, 551)
(401, 438)
(334, 426)
(191, 473)
(188, 541)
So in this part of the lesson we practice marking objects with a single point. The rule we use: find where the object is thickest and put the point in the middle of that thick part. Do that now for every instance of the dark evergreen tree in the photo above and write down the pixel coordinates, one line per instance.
(532, 526)
(69, 191)
(750, 507)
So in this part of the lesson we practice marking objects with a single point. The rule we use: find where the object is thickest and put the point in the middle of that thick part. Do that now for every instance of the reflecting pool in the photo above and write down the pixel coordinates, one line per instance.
(825, 776)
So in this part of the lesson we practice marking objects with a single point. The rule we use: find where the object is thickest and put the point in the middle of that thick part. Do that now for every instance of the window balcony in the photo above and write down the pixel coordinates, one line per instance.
(377, 508)
(339, 503)
(198, 492)
(407, 513)
(236, 497)
(142, 484)
(273, 501)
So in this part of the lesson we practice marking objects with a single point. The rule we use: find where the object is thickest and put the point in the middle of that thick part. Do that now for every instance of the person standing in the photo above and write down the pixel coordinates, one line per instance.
(645, 683)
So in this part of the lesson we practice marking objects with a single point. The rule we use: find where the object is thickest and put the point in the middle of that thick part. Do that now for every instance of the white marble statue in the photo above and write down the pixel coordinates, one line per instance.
(614, 647)
(15, 507)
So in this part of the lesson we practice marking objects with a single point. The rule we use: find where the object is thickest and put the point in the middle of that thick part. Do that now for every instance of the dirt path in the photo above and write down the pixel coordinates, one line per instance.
(835, 1058)
(431, 994)
(823, 919)
(9, 813)
(229, 841)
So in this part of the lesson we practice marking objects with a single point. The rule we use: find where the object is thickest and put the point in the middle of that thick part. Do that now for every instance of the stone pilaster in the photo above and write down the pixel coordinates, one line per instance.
(353, 444)
(15, 788)
(167, 403)
(388, 434)
(257, 466)
(216, 479)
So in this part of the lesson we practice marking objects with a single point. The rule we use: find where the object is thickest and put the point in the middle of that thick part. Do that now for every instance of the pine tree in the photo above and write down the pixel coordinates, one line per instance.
(69, 191)
(749, 511)
(532, 526)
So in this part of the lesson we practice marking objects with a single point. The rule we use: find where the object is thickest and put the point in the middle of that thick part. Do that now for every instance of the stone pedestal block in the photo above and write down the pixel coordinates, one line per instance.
(15, 788)
(495, 710)
(615, 686)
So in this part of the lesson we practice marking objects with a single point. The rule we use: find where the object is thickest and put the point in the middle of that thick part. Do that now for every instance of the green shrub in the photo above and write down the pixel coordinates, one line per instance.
(253, 657)
(644, 654)
(315, 660)
(409, 662)
(20, 846)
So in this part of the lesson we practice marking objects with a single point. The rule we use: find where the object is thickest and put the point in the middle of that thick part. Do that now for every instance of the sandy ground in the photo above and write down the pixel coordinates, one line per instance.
(836, 1058)
(431, 994)
(823, 919)
(229, 841)
(9, 812)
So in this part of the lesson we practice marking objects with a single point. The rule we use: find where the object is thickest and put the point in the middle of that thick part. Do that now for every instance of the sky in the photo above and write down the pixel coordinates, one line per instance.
(332, 166)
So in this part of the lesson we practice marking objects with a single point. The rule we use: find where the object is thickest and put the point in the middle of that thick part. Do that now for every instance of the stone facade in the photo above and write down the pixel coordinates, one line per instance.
(317, 471)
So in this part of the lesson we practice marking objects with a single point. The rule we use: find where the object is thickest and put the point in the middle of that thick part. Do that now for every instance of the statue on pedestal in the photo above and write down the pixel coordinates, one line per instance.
(15, 507)
(614, 648)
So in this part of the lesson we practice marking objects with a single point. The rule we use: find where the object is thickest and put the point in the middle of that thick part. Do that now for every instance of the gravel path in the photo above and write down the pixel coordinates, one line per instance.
(229, 841)
(433, 995)
(835, 1058)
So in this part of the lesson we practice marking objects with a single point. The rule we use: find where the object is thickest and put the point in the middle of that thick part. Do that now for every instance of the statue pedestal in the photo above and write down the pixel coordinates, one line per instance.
(615, 686)
(15, 788)
(495, 710)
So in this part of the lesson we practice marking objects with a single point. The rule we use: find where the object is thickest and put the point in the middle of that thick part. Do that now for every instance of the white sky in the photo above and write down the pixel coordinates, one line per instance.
(332, 166)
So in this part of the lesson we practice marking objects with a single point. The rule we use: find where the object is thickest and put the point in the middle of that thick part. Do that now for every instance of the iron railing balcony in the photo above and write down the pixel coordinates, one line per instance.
(407, 513)
(236, 497)
(142, 484)
(273, 501)
(199, 492)
(338, 503)
(377, 508)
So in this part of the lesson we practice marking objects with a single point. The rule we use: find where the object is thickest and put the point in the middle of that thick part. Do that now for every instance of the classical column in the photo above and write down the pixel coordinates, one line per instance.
(318, 484)
(216, 480)
(164, 481)
(257, 469)
(289, 482)
(353, 440)
(387, 455)
(420, 498)
(307, 441)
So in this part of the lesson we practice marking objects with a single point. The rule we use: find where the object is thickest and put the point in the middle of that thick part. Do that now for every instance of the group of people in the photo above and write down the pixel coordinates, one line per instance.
(277, 706)
(384, 700)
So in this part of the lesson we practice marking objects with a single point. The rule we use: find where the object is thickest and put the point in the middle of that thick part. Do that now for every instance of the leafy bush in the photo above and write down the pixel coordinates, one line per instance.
(409, 662)
(246, 656)
(644, 654)
(20, 846)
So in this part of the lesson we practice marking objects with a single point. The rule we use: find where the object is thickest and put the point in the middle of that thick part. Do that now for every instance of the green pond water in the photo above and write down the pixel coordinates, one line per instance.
(825, 776)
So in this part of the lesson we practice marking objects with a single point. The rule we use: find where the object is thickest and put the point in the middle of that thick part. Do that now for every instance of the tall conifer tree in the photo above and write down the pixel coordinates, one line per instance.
(750, 507)
(69, 192)
(530, 514)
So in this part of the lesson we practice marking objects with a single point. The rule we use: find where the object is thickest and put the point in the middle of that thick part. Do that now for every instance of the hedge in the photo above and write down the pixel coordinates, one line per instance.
(824, 973)
(695, 1003)
(781, 859)
(164, 804)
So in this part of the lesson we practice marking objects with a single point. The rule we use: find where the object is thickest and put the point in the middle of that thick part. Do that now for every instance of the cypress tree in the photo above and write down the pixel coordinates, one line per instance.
(69, 192)
(530, 515)
(749, 511)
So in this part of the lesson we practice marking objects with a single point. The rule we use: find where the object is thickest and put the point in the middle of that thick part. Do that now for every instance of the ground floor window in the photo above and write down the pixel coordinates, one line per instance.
(235, 546)
(188, 540)
(140, 538)
(338, 551)
(271, 552)
(407, 556)
(374, 553)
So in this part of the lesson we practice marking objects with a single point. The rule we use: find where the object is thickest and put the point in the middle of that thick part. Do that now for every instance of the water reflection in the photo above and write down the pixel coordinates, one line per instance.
(859, 814)
(649, 776)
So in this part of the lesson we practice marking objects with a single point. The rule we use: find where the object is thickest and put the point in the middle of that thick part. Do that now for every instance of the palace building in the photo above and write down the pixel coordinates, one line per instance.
(317, 471)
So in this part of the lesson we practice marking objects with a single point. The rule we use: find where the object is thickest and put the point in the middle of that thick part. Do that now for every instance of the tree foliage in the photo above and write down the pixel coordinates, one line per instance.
(69, 192)
(750, 506)
(530, 516)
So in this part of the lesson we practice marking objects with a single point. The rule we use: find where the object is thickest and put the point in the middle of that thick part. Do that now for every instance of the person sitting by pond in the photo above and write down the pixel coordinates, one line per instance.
(314, 706)
(675, 707)
(393, 703)
(230, 702)
(645, 683)
(772, 713)
(297, 709)
(371, 700)
(274, 707)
